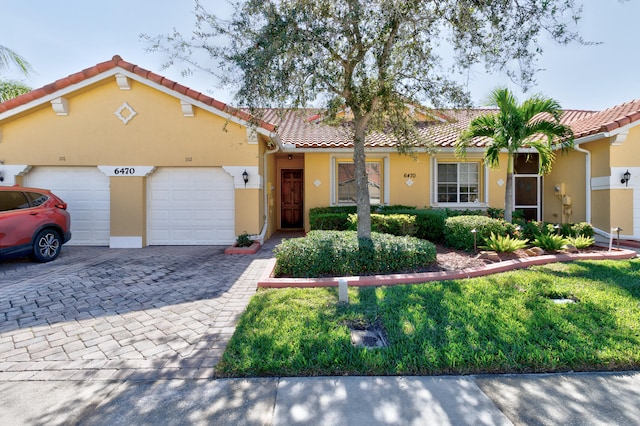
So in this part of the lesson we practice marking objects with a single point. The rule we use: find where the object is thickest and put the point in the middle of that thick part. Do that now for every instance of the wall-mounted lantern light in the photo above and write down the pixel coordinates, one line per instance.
(245, 177)
(290, 156)
(625, 178)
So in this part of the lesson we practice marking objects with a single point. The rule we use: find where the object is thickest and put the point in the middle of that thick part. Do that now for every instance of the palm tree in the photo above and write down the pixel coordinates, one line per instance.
(9, 57)
(11, 89)
(535, 123)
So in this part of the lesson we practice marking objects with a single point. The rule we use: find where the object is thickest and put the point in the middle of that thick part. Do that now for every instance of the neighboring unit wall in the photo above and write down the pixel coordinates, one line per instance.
(144, 127)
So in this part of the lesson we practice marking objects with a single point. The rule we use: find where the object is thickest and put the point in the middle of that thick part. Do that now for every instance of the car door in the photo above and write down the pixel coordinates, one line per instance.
(18, 220)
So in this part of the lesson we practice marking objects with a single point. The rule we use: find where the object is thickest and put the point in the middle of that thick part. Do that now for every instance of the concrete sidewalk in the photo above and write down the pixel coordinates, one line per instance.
(548, 399)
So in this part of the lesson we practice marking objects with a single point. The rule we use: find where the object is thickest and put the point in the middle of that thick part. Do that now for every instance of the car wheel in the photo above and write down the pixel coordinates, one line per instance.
(46, 245)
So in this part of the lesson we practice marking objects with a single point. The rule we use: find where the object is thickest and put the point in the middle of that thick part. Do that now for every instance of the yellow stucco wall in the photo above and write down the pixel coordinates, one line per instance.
(158, 135)
(621, 206)
(601, 215)
(128, 206)
(569, 169)
(600, 161)
(409, 180)
(316, 168)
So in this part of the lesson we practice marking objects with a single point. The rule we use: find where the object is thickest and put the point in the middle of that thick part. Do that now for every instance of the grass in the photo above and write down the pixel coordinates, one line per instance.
(495, 324)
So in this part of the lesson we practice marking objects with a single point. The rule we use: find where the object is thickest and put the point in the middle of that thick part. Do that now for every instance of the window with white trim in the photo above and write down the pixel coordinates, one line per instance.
(346, 182)
(458, 183)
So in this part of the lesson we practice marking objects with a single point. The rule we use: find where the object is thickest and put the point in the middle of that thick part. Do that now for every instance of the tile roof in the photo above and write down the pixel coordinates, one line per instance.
(305, 130)
(118, 62)
(608, 119)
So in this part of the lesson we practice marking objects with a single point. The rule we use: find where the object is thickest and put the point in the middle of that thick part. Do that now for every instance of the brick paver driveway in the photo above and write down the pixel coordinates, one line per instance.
(97, 313)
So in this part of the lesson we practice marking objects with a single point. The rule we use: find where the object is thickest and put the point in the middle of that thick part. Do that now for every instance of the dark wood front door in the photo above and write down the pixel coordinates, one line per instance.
(291, 195)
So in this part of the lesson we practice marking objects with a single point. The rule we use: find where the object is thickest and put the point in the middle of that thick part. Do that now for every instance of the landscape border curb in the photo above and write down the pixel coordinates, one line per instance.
(267, 280)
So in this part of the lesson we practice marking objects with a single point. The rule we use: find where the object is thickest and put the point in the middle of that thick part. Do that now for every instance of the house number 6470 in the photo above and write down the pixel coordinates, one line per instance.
(124, 171)
(410, 175)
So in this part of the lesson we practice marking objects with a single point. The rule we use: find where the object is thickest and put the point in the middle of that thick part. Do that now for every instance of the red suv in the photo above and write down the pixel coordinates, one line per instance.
(32, 222)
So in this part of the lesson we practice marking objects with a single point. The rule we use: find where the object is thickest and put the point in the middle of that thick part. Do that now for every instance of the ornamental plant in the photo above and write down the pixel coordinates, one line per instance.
(504, 243)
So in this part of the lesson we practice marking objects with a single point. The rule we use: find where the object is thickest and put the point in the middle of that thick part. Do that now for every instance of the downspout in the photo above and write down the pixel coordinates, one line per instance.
(587, 170)
(260, 237)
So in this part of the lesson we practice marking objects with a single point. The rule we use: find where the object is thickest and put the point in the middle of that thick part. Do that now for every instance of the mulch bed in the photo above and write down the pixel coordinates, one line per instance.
(449, 259)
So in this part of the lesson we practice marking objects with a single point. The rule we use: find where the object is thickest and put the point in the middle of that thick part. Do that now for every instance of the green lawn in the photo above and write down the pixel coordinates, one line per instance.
(500, 323)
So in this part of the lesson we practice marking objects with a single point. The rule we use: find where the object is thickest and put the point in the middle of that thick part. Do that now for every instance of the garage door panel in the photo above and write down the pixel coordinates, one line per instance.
(190, 206)
(86, 192)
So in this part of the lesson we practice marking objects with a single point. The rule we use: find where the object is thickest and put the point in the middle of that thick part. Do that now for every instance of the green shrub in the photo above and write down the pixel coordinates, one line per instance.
(504, 243)
(550, 242)
(333, 253)
(457, 230)
(329, 221)
(336, 218)
(243, 240)
(394, 224)
(495, 213)
(581, 229)
(580, 242)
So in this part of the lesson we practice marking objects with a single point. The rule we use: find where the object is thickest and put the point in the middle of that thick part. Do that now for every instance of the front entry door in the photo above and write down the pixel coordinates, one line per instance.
(291, 199)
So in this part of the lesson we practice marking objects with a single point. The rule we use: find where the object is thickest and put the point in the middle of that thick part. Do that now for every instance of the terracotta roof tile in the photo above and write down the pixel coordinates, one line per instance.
(608, 119)
(117, 61)
(305, 129)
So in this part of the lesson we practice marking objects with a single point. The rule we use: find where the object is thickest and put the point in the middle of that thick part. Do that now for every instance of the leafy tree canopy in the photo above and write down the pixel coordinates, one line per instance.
(371, 56)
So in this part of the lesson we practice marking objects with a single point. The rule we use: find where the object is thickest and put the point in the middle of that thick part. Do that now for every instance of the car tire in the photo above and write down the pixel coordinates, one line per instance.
(47, 245)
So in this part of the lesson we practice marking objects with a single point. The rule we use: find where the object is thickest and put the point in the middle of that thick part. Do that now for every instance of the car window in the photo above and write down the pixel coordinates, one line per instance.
(12, 200)
(36, 199)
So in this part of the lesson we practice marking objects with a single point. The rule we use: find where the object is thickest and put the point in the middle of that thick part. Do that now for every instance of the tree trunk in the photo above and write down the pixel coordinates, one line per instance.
(362, 181)
(508, 190)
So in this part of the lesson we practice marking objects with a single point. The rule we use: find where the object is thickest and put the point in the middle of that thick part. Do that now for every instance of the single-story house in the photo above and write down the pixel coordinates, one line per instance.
(142, 160)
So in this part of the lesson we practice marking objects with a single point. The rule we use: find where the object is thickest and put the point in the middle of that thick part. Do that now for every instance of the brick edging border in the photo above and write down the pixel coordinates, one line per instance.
(267, 279)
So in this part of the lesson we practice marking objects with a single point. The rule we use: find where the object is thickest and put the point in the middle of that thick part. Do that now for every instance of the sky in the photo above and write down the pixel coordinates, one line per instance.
(62, 37)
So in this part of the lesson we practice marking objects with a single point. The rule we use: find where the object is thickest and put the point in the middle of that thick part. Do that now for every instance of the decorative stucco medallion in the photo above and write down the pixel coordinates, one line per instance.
(317, 183)
(409, 183)
(125, 113)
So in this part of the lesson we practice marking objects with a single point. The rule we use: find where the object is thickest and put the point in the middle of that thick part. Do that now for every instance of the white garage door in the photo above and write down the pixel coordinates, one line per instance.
(190, 206)
(86, 192)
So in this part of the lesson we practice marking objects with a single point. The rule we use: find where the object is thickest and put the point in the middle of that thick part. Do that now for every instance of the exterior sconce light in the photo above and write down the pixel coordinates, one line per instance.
(625, 178)
(289, 156)
(245, 177)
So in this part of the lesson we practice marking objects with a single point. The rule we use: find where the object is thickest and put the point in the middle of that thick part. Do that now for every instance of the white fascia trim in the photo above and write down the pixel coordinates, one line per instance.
(125, 242)
(60, 93)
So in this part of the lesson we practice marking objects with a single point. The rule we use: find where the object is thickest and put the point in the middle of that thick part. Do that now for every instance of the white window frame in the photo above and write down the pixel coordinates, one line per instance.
(483, 190)
(385, 177)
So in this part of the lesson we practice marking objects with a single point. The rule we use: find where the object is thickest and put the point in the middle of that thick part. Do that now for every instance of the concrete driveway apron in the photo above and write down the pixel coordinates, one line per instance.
(97, 313)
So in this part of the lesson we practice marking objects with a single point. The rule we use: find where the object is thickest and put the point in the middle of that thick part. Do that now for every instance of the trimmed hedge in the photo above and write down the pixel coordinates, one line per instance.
(392, 223)
(458, 235)
(336, 218)
(334, 253)
(429, 223)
